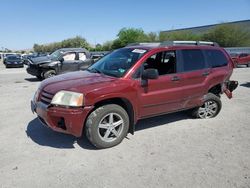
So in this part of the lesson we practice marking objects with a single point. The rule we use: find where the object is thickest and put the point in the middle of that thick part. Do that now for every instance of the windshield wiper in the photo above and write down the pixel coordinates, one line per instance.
(94, 70)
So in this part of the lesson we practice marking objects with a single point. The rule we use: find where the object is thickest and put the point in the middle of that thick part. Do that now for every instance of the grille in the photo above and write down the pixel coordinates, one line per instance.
(46, 97)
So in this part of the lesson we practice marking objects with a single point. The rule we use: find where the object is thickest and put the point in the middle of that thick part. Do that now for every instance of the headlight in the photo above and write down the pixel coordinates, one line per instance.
(68, 98)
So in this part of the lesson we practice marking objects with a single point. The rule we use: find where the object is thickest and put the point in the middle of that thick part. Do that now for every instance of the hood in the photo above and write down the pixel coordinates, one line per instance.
(80, 81)
(38, 60)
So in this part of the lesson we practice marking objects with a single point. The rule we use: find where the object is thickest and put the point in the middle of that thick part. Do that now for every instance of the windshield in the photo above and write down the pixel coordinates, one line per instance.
(13, 58)
(118, 62)
(55, 55)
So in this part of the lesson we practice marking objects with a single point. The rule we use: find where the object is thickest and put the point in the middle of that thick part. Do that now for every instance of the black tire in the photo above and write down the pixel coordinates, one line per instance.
(96, 134)
(248, 65)
(39, 77)
(211, 107)
(49, 73)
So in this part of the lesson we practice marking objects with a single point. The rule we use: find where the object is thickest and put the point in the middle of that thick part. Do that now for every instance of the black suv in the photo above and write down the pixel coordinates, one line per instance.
(61, 61)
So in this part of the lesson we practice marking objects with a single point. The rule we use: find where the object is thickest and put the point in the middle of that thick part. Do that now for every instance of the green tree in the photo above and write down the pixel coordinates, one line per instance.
(129, 35)
(107, 46)
(178, 35)
(76, 42)
(227, 35)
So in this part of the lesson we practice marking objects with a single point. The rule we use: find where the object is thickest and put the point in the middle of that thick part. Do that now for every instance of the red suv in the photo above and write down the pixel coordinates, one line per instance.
(241, 59)
(139, 81)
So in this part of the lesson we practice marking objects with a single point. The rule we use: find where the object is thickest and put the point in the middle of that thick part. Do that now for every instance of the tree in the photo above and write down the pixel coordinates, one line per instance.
(76, 42)
(152, 37)
(179, 35)
(227, 35)
(129, 35)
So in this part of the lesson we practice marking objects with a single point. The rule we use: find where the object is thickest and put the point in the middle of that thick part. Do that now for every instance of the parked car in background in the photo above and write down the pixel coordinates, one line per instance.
(5, 55)
(13, 61)
(61, 61)
(241, 59)
(97, 55)
(33, 55)
(132, 83)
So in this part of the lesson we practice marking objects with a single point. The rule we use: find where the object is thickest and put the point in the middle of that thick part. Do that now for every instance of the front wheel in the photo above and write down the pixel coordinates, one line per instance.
(211, 107)
(49, 73)
(107, 126)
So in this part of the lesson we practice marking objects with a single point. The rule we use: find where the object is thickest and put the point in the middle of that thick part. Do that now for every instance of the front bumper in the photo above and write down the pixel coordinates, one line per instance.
(33, 71)
(65, 120)
(13, 65)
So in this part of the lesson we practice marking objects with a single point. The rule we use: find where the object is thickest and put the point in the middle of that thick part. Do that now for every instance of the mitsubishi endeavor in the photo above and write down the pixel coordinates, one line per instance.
(138, 81)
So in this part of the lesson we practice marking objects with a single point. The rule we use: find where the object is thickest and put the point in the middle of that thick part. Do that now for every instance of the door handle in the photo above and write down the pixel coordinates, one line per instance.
(205, 73)
(175, 78)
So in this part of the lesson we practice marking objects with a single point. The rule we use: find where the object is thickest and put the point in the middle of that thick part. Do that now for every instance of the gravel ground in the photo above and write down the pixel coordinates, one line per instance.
(167, 151)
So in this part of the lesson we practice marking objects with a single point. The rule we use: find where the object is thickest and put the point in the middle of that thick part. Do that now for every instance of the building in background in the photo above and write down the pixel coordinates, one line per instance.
(203, 29)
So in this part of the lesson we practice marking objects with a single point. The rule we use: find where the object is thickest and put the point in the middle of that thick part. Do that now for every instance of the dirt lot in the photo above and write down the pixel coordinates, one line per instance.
(167, 151)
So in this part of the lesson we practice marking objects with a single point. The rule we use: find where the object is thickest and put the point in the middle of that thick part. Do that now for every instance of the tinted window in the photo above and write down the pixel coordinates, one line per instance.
(216, 58)
(193, 60)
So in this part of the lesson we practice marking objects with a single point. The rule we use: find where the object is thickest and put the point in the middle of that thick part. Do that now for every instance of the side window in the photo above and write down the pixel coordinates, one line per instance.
(216, 58)
(82, 56)
(193, 60)
(164, 62)
(69, 57)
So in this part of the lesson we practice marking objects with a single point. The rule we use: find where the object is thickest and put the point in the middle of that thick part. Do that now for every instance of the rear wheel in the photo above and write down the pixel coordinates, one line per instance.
(107, 126)
(211, 107)
(49, 73)
(248, 65)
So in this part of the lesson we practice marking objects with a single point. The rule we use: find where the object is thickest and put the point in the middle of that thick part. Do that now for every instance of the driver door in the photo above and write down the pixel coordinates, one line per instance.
(69, 63)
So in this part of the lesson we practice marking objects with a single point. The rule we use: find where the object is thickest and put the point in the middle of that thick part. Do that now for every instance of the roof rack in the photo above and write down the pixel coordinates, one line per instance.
(198, 43)
(144, 44)
(174, 43)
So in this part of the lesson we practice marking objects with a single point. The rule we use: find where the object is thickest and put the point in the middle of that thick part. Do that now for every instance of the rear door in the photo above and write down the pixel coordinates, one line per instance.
(193, 73)
(83, 62)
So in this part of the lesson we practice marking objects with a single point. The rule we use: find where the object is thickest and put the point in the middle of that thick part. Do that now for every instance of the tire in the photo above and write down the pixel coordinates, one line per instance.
(39, 77)
(100, 130)
(49, 73)
(248, 65)
(211, 107)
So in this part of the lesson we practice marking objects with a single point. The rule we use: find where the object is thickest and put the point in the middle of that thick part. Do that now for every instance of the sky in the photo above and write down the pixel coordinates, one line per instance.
(25, 22)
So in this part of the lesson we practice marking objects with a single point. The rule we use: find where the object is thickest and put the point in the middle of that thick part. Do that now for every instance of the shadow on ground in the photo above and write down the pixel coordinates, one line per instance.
(247, 84)
(32, 79)
(161, 120)
(46, 137)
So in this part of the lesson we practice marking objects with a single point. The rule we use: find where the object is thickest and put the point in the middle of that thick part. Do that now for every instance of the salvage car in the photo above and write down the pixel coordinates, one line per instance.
(59, 62)
(132, 83)
(13, 61)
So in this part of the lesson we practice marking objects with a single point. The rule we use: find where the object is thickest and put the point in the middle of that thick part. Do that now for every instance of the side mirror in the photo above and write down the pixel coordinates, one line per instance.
(150, 74)
(61, 59)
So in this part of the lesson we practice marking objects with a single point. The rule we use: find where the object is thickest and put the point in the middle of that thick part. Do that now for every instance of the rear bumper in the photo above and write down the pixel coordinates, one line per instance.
(229, 87)
(65, 120)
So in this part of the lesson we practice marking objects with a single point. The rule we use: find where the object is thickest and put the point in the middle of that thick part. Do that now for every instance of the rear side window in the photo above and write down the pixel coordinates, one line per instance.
(193, 60)
(216, 58)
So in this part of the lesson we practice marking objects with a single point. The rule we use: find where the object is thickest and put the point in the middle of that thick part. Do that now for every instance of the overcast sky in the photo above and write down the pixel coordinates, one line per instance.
(25, 22)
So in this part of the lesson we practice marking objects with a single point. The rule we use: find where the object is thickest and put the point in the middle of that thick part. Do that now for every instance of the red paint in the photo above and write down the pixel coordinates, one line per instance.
(160, 96)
